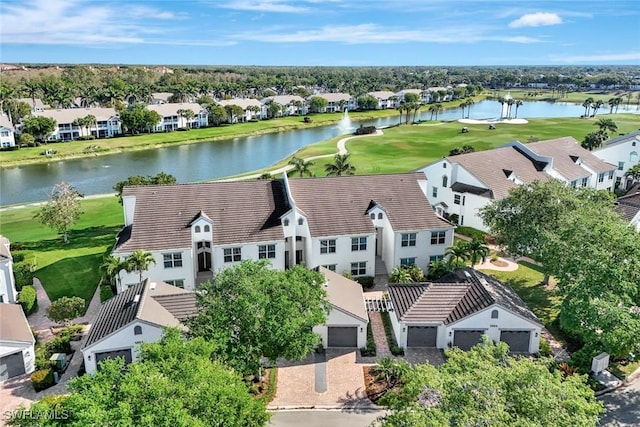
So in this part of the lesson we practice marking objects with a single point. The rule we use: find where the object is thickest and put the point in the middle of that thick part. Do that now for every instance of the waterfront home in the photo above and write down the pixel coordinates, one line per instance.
(17, 354)
(292, 105)
(623, 152)
(252, 109)
(107, 123)
(354, 224)
(337, 102)
(36, 104)
(172, 118)
(459, 186)
(7, 132)
(8, 293)
(628, 206)
(386, 99)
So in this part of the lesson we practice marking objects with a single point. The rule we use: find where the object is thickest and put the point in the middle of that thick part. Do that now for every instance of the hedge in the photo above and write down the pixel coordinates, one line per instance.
(42, 379)
(365, 281)
(28, 299)
(388, 329)
(474, 233)
(23, 274)
(105, 292)
(59, 344)
(370, 349)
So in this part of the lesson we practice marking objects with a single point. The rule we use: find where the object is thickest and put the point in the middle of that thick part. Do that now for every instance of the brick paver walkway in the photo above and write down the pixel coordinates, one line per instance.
(379, 336)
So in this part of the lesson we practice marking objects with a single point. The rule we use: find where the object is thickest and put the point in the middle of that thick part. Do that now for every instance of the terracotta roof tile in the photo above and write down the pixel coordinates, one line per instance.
(564, 151)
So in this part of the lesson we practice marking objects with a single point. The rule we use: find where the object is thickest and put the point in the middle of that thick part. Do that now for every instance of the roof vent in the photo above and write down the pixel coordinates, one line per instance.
(136, 299)
(152, 286)
(466, 273)
(483, 281)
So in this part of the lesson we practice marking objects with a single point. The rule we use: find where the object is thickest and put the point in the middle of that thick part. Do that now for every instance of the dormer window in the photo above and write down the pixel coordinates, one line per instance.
(197, 228)
(445, 180)
(300, 221)
(444, 165)
(285, 222)
(373, 216)
(207, 229)
(380, 215)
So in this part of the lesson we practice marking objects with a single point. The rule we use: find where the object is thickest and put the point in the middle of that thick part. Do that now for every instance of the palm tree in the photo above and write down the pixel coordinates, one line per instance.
(633, 173)
(457, 253)
(300, 167)
(340, 166)
(437, 108)
(139, 261)
(587, 105)
(596, 106)
(606, 126)
(111, 268)
(510, 103)
(90, 121)
(502, 101)
(612, 103)
(518, 105)
(401, 108)
(79, 122)
(477, 251)
(470, 102)
(463, 105)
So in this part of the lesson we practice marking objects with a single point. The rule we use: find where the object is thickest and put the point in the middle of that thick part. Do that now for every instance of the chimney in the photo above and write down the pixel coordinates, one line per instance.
(152, 286)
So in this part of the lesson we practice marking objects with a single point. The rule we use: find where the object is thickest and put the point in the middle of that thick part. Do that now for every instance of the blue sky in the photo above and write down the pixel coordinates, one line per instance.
(321, 32)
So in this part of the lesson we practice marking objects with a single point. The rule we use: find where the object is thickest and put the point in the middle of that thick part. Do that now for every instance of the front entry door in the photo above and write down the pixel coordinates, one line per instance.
(204, 256)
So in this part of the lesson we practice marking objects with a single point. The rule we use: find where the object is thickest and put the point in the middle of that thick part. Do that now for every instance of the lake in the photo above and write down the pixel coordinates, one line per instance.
(210, 160)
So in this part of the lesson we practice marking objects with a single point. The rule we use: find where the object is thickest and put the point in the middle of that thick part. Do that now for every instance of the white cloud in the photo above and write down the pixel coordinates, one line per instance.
(597, 58)
(374, 34)
(279, 6)
(538, 19)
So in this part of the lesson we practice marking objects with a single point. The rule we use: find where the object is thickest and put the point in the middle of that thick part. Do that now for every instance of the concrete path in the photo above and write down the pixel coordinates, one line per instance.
(379, 335)
(324, 417)
(509, 265)
(622, 405)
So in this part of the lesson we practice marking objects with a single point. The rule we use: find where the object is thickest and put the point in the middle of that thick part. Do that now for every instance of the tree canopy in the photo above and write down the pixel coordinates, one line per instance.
(176, 383)
(160, 179)
(486, 386)
(65, 309)
(39, 126)
(62, 210)
(252, 311)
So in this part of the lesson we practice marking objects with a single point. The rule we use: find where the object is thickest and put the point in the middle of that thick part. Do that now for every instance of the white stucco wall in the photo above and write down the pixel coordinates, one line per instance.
(339, 318)
(7, 282)
(27, 349)
(620, 153)
(423, 248)
(344, 256)
(248, 251)
(121, 340)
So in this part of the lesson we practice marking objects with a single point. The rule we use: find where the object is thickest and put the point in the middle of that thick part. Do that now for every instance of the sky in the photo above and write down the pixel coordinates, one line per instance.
(321, 32)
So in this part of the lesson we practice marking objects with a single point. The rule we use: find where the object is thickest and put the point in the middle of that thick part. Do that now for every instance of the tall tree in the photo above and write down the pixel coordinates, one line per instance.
(477, 251)
(587, 106)
(486, 386)
(233, 112)
(317, 104)
(271, 315)
(217, 114)
(161, 178)
(111, 268)
(340, 166)
(633, 173)
(62, 210)
(606, 125)
(300, 167)
(39, 126)
(518, 104)
(65, 309)
(139, 261)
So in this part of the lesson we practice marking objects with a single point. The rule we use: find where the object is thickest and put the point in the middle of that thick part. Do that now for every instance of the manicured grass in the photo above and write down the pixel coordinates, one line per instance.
(574, 97)
(70, 269)
(527, 282)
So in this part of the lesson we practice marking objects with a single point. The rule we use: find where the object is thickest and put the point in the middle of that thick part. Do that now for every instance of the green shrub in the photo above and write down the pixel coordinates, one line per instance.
(28, 299)
(105, 292)
(365, 281)
(17, 257)
(42, 358)
(59, 344)
(73, 332)
(545, 348)
(23, 273)
(386, 321)
(370, 349)
(474, 233)
(42, 379)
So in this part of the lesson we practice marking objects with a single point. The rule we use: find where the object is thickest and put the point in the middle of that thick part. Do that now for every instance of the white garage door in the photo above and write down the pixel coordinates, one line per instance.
(11, 366)
(342, 336)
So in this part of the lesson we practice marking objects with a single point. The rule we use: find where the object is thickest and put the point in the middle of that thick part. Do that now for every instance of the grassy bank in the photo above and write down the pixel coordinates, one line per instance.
(573, 97)
(70, 269)
(79, 149)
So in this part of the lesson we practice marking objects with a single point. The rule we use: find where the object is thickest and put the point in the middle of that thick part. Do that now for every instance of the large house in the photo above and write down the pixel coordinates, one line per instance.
(346, 224)
(140, 314)
(458, 309)
(337, 102)
(7, 132)
(461, 185)
(107, 123)
(386, 99)
(628, 206)
(623, 152)
(252, 109)
(172, 118)
(17, 354)
(292, 105)
(8, 292)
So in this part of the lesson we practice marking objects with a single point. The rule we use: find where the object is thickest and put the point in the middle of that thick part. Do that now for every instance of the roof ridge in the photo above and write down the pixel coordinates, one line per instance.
(143, 295)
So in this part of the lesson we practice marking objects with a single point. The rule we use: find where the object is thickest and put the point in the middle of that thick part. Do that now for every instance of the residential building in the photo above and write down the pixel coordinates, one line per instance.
(172, 119)
(346, 224)
(628, 206)
(459, 186)
(36, 104)
(252, 109)
(386, 99)
(161, 97)
(292, 105)
(133, 317)
(621, 151)
(458, 309)
(337, 102)
(8, 293)
(7, 132)
(107, 124)
(423, 95)
(17, 354)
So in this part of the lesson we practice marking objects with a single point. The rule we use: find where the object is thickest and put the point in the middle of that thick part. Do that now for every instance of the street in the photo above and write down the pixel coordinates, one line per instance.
(323, 418)
(623, 407)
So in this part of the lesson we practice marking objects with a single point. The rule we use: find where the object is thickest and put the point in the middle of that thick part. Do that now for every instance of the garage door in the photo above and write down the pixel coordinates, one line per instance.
(126, 354)
(11, 366)
(518, 340)
(343, 336)
(422, 336)
(465, 339)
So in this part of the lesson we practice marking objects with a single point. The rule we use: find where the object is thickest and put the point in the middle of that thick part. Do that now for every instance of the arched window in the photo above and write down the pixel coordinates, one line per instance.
(373, 216)
(380, 215)
(286, 222)
(445, 180)
(207, 229)
(633, 156)
(444, 165)
(300, 221)
(137, 330)
(197, 228)
(494, 314)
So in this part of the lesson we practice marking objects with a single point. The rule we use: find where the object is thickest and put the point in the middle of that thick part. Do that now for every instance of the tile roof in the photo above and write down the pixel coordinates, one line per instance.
(635, 135)
(39, 105)
(158, 303)
(241, 211)
(344, 294)
(564, 151)
(334, 97)
(68, 115)
(382, 94)
(628, 205)
(488, 166)
(284, 99)
(14, 325)
(5, 122)
(171, 109)
(338, 205)
(454, 297)
(240, 102)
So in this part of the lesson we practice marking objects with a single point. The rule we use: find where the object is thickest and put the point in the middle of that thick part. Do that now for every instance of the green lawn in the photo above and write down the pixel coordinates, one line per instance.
(527, 282)
(70, 269)
(574, 97)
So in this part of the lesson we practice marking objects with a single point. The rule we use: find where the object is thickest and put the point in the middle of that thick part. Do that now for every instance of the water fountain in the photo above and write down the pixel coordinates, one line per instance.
(345, 122)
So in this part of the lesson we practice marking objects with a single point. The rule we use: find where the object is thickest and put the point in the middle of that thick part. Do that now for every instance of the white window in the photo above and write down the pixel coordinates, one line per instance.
(331, 267)
(328, 246)
(232, 254)
(494, 314)
(444, 165)
(456, 199)
(434, 191)
(172, 260)
(266, 251)
(574, 184)
(445, 181)
(207, 229)
(380, 215)
(197, 228)
(372, 216)
(601, 177)
(178, 283)
(633, 156)
(437, 237)
(585, 181)
(300, 221)
(433, 258)
(408, 239)
(285, 222)
(358, 244)
(610, 175)
(408, 261)
(359, 268)
(620, 166)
